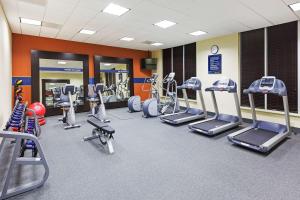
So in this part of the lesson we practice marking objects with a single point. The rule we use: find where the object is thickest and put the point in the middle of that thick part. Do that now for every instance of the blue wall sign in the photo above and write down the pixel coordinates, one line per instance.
(215, 64)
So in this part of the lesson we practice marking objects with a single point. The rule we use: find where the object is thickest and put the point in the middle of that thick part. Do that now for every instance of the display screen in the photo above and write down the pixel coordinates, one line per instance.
(267, 82)
(191, 82)
(223, 83)
(149, 63)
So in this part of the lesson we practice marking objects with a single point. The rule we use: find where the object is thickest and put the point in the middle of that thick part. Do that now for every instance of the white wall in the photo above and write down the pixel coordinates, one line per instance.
(5, 69)
(228, 47)
(159, 70)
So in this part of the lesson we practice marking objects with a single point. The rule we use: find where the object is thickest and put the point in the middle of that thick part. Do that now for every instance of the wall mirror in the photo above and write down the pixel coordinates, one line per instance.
(116, 75)
(51, 71)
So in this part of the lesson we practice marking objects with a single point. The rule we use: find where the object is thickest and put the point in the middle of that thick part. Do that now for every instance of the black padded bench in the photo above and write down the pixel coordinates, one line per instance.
(103, 132)
(103, 127)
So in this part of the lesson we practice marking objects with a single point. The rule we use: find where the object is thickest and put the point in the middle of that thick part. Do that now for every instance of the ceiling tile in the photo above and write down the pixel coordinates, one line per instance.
(30, 29)
(31, 11)
(48, 32)
(221, 18)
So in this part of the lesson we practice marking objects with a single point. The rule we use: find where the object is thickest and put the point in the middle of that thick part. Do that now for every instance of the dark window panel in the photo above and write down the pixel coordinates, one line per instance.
(178, 67)
(252, 63)
(282, 62)
(190, 66)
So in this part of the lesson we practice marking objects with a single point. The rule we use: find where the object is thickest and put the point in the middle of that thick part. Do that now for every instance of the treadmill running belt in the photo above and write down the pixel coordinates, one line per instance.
(255, 137)
(206, 126)
(177, 116)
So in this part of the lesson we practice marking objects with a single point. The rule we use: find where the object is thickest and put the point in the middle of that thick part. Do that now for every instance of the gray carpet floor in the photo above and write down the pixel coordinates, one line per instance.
(156, 161)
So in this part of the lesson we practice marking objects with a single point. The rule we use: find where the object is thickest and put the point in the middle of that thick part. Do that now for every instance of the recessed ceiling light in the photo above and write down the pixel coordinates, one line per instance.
(128, 39)
(295, 6)
(107, 64)
(197, 33)
(88, 32)
(30, 21)
(61, 62)
(157, 44)
(165, 24)
(115, 9)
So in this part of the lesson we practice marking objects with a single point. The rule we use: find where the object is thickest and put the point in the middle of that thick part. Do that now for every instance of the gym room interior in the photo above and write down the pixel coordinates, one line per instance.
(150, 99)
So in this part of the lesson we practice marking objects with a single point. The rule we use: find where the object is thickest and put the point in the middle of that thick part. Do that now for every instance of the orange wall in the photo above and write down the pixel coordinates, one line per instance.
(23, 44)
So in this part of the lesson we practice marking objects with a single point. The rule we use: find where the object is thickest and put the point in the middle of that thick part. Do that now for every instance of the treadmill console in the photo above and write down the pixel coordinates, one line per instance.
(191, 83)
(223, 84)
(267, 83)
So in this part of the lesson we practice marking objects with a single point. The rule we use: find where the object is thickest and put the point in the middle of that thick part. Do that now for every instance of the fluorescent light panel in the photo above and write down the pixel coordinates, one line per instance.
(197, 33)
(115, 9)
(88, 32)
(165, 24)
(295, 6)
(30, 21)
(61, 62)
(107, 64)
(157, 44)
(128, 39)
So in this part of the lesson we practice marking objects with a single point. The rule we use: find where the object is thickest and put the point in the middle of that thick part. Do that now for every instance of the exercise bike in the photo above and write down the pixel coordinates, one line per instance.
(110, 94)
(67, 105)
(135, 103)
(154, 107)
(96, 102)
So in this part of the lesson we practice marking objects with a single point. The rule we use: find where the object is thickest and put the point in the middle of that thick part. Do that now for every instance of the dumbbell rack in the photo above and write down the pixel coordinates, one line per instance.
(22, 131)
(19, 122)
(31, 127)
(16, 160)
(17, 118)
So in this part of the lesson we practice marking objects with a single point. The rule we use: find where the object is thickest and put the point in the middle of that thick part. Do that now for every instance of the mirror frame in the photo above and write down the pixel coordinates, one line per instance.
(105, 59)
(36, 55)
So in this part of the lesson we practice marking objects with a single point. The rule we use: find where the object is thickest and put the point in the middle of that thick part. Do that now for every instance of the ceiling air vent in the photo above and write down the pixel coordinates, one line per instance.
(51, 25)
(148, 42)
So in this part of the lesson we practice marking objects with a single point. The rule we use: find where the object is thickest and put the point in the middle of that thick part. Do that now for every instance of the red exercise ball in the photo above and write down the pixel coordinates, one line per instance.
(39, 108)
(42, 121)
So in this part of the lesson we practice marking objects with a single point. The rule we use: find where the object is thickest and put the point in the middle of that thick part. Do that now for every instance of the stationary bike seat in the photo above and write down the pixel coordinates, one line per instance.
(64, 104)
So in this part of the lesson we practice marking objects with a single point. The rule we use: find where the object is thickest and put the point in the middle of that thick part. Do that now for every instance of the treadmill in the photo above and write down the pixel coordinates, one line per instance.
(190, 114)
(219, 122)
(263, 135)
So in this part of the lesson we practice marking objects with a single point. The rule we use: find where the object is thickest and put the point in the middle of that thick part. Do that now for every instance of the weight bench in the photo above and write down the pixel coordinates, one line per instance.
(103, 132)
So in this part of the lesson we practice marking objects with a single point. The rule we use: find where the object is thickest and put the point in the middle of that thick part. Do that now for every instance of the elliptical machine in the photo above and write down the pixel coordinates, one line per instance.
(67, 106)
(135, 103)
(122, 91)
(96, 102)
(154, 107)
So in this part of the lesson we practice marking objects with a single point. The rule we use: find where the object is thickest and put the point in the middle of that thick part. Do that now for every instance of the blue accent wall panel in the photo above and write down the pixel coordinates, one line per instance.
(91, 81)
(56, 69)
(139, 80)
(26, 80)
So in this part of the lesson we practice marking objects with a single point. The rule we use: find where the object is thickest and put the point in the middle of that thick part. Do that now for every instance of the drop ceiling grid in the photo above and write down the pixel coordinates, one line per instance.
(223, 17)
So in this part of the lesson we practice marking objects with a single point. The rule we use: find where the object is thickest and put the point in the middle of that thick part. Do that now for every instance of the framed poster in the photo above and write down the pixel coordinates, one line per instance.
(215, 64)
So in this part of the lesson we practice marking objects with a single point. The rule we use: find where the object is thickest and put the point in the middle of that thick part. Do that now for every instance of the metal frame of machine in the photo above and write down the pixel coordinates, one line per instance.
(190, 114)
(220, 122)
(262, 135)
